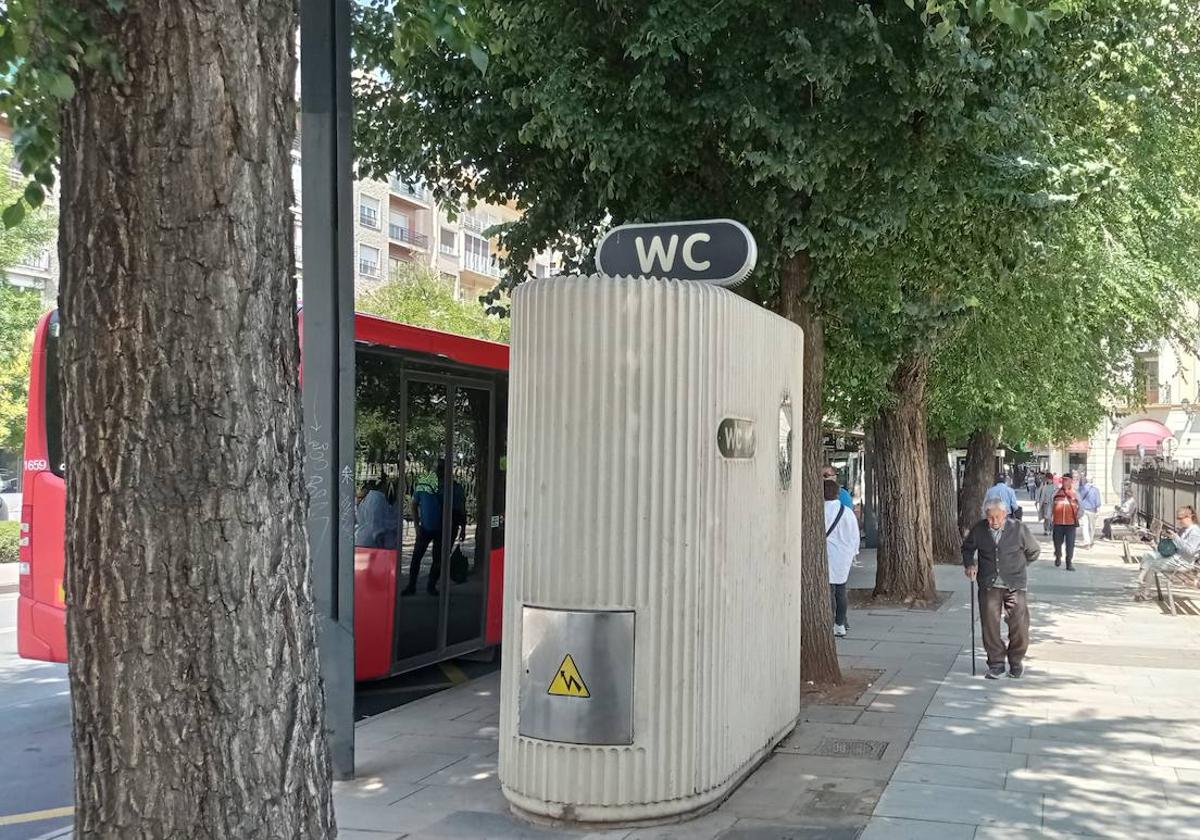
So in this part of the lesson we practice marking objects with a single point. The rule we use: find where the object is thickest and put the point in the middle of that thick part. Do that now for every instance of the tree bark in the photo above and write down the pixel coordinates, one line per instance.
(196, 699)
(904, 569)
(818, 655)
(947, 541)
(977, 476)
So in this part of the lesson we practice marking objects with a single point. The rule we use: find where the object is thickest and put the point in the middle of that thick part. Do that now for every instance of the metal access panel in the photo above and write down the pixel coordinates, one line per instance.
(577, 676)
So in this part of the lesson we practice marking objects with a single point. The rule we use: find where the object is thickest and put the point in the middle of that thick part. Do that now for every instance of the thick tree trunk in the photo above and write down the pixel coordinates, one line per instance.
(904, 569)
(818, 655)
(946, 540)
(977, 476)
(196, 700)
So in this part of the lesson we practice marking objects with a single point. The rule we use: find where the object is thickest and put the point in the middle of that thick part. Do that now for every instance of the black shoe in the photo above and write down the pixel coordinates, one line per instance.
(994, 672)
(1070, 567)
(1015, 671)
(408, 590)
(1057, 561)
(432, 590)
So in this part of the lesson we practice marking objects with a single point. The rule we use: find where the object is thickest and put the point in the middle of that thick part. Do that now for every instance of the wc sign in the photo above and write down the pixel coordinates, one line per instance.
(718, 251)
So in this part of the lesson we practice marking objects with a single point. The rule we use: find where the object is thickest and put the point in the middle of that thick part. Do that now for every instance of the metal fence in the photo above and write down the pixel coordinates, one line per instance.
(1160, 491)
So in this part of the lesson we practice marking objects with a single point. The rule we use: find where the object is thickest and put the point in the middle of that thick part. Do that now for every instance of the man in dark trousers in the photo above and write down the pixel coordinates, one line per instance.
(995, 553)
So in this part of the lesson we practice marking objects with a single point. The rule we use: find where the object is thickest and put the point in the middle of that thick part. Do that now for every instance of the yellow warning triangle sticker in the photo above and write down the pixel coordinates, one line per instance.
(568, 682)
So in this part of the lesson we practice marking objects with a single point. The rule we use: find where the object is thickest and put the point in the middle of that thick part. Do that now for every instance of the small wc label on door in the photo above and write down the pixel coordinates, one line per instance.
(576, 675)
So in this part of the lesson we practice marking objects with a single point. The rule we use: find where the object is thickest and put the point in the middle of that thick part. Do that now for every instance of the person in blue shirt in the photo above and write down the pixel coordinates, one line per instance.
(1001, 490)
(427, 522)
(828, 473)
(1089, 506)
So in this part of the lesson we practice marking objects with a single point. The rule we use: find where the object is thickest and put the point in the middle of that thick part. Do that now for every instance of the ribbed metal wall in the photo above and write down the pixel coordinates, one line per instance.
(618, 499)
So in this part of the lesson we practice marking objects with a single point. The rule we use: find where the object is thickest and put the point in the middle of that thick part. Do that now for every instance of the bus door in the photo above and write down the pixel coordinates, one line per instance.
(442, 564)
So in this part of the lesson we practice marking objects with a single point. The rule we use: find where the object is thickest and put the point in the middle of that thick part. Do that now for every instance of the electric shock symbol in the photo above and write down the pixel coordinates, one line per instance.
(568, 682)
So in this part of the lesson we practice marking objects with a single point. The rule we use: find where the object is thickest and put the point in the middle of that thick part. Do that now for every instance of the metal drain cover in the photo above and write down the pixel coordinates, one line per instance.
(850, 748)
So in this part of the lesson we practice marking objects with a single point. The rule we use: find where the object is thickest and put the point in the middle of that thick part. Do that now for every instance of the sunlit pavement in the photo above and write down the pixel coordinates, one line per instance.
(35, 733)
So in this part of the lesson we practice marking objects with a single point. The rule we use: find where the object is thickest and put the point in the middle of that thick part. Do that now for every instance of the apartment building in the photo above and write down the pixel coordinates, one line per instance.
(1166, 428)
(37, 271)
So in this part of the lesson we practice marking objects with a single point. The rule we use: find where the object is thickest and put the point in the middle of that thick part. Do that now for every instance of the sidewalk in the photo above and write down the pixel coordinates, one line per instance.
(1102, 737)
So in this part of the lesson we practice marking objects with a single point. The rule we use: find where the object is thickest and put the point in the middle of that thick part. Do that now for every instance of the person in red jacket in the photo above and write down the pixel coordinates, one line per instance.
(1065, 514)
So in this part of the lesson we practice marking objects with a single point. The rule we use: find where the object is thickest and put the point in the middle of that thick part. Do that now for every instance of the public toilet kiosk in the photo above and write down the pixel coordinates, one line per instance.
(652, 616)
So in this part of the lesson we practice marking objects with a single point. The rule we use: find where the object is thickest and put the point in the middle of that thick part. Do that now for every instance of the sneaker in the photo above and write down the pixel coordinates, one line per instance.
(994, 672)
(1015, 671)
(839, 630)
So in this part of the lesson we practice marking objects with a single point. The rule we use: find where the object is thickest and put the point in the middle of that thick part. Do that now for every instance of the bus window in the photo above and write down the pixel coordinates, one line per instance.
(54, 406)
(379, 480)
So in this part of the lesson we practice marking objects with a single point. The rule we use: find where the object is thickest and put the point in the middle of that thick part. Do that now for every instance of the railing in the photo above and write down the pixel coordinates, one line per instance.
(39, 261)
(1159, 491)
(408, 237)
(418, 191)
(481, 265)
(368, 217)
(448, 250)
(476, 223)
(15, 178)
(368, 268)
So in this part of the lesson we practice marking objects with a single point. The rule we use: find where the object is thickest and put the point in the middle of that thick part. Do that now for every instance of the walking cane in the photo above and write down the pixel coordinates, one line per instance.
(972, 584)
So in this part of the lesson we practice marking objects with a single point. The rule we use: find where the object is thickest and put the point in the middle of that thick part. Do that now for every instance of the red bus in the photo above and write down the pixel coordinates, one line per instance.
(430, 438)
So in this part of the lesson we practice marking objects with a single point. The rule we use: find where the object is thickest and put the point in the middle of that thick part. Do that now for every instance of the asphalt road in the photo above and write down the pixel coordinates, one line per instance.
(35, 737)
(35, 727)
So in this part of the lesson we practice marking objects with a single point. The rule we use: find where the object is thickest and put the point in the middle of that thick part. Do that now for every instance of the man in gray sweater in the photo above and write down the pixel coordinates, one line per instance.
(995, 554)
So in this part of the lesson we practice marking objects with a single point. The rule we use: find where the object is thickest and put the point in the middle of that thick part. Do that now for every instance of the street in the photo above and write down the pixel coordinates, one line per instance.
(35, 728)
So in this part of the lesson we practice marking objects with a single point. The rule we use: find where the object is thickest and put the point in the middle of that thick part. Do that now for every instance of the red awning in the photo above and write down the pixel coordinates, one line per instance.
(1147, 433)
(1080, 445)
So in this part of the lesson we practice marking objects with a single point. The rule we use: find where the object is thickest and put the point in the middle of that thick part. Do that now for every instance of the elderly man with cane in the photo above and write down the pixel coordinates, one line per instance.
(995, 553)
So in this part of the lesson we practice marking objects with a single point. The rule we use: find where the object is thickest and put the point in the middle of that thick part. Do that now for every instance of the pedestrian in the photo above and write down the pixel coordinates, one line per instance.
(995, 554)
(1046, 503)
(1031, 485)
(828, 473)
(1089, 506)
(1065, 507)
(841, 545)
(1122, 516)
(1001, 490)
(1162, 560)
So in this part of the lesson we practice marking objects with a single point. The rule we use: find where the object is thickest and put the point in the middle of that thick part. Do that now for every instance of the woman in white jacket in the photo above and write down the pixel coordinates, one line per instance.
(841, 543)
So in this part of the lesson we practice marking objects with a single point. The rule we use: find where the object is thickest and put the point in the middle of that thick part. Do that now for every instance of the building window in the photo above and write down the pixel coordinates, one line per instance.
(478, 222)
(398, 226)
(1145, 367)
(449, 242)
(541, 270)
(368, 261)
(368, 211)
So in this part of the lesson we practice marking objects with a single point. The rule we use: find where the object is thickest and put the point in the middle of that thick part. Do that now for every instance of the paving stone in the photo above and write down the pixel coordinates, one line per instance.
(749, 829)
(471, 771)
(829, 714)
(964, 757)
(961, 726)
(948, 774)
(893, 720)
(951, 803)
(996, 743)
(891, 828)
(703, 828)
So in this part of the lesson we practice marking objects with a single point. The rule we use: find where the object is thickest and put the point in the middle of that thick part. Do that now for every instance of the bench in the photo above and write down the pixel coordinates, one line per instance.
(1188, 577)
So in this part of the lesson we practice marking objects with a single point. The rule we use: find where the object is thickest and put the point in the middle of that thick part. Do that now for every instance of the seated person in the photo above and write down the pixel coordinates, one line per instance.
(1123, 516)
(1187, 543)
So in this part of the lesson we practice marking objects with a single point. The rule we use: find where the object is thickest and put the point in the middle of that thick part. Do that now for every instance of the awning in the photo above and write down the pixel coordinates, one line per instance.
(1147, 433)
(1080, 445)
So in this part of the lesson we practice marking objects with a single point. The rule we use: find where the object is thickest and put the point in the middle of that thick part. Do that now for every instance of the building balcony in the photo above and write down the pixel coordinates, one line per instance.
(416, 192)
(448, 250)
(405, 236)
(368, 268)
(481, 265)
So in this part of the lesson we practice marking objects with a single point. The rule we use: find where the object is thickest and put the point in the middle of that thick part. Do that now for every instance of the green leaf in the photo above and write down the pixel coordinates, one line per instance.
(942, 30)
(13, 214)
(61, 86)
(479, 58)
(35, 195)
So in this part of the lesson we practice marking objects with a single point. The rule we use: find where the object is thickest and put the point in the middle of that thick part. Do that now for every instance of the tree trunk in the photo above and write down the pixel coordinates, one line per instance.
(904, 569)
(196, 698)
(946, 539)
(977, 476)
(818, 655)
